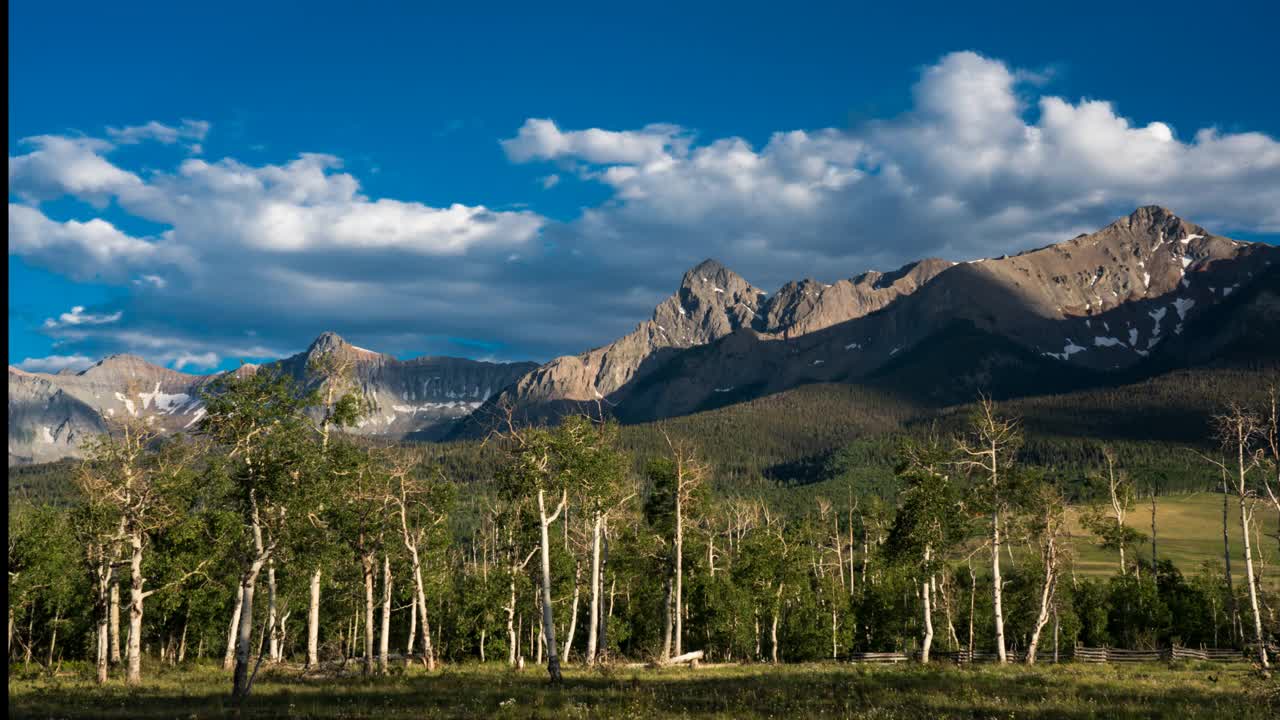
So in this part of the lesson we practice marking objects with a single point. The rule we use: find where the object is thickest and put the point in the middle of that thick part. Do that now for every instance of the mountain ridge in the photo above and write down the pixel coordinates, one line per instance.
(1096, 307)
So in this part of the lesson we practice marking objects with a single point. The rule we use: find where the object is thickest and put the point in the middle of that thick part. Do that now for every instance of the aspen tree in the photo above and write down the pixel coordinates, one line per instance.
(987, 452)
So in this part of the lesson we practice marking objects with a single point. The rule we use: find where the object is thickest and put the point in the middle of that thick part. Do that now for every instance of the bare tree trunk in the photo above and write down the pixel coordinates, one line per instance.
(248, 584)
(1249, 576)
(679, 590)
(973, 594)
(513, 637)
(384, 640)
(997, 586)
(233, 632)
(272, 613)
(182, 644)
(666, 620)
(773, 629)
(927, 589)
(573, 617)
(413, 627)
(1042, 618)
(366, 565)
(53, 637)
(313, 621)
(133, 675)
(244, 635)
(1226, 560)
(548, 619)
(593, 627)
(115, 619)
(103, 625)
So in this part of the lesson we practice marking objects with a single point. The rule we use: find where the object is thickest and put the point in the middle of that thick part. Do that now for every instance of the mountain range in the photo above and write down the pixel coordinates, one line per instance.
(1149, 293)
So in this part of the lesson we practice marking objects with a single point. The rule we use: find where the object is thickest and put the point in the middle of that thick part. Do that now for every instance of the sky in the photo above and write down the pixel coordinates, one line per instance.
(205, 185)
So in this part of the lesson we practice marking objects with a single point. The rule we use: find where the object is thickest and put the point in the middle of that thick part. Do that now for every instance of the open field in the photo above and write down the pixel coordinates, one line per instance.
(751, 691)
(1189, 531)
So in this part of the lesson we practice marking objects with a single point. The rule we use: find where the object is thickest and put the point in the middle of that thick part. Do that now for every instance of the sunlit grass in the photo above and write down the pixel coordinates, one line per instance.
(1199, 690)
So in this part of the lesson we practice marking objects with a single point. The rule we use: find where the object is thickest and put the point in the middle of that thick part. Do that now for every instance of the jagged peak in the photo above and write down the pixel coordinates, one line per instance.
(330, 341)
(326, 340)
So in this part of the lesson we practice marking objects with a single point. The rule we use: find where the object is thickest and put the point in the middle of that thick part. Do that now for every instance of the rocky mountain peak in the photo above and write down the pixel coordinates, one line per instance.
(128, 366)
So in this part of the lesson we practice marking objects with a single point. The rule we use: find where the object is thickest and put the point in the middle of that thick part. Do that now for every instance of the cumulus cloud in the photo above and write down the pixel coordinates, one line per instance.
(91, 250)
(986, 161)
(78, 316)
(541, 139)
(964, 173)
(58, 166)
(55, 363)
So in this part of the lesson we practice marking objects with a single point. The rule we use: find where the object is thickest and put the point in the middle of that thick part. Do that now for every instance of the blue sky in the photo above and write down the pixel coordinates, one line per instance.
(515, 182)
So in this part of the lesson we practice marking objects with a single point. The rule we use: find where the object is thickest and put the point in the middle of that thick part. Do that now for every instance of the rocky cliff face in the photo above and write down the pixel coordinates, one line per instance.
(1099, 303)
(51, 415)
(408, 396)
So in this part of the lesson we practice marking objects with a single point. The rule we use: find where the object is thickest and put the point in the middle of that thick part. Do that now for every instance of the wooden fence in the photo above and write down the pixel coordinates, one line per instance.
(1077, 654)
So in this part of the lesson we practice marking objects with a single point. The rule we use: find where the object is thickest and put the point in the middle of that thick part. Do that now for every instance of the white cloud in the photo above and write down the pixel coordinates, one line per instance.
(78, 316)
(964, 173)
(195, 130)
(540, 139)
(202, 361)
(985, 162)
(89, 250)
(549, 181)
(55, 363)
(68, 166)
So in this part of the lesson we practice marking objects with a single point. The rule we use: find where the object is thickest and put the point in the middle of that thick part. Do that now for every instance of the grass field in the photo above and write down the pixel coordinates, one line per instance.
(1189, 531)
(751, 691)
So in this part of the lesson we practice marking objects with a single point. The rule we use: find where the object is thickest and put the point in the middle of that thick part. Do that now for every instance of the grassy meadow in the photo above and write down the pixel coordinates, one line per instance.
(1189, 531)
(1197, 690)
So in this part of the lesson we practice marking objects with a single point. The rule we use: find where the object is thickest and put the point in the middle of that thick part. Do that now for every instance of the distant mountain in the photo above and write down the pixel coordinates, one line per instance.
(1147, 294)
(50, 415)
(1115, 304)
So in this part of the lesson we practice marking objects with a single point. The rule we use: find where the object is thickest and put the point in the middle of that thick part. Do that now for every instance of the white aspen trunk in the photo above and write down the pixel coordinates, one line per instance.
(105, 580)
(244, 634)
(133, 675)
(366, 563)
(513, 637)
(996, 583)
(273, 651)
(384, 640)
(573, 619)
(182, 643)
(1226, 560)
(115, 619)
(548, 619)
(103, 624)
(927, 593)
(53, 637)
(679, 590)
(483, 633)
(413, 626)
(233, 632)
(1042, 618)
(666, 620)
(313, 622)
(1252, 580)
(248, 584)
(593, 627)
(834, 648)
(773, 628)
